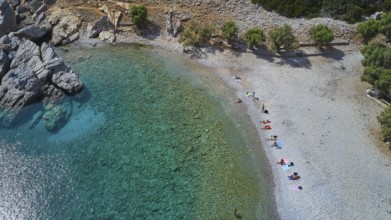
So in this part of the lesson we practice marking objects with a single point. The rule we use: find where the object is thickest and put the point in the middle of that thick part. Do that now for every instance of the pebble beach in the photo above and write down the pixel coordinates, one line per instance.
(318, 108)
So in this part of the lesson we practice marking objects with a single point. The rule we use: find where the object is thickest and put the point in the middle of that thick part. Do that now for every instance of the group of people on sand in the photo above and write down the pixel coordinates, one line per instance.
(282, 162)
(266, 126)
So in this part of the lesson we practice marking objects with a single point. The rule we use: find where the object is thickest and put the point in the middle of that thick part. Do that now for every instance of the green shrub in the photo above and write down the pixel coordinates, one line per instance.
(254, 37)
(230, 30)
(377, 62)
(377, 55)
(291, 8)
(386, 25)
(138, 14)
(348, 10)
(385, 122)
(282, 37)
(195, 34)
(368, 29)
(321, 35)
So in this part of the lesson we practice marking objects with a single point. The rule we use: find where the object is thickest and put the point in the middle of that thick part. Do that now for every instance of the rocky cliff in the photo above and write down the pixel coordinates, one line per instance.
(30, 70)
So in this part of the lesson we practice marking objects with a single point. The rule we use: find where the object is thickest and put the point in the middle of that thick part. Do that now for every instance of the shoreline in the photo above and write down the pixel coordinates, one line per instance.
(342, 172)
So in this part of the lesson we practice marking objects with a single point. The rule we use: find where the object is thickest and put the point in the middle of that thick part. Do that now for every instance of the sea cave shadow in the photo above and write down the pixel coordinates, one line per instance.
(333, 53)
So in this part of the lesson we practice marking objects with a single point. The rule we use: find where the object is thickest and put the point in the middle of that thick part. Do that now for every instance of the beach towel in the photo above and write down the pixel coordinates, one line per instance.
(295, 187)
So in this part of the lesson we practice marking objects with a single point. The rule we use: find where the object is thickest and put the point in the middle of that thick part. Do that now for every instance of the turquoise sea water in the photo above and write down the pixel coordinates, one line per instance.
(152, 136)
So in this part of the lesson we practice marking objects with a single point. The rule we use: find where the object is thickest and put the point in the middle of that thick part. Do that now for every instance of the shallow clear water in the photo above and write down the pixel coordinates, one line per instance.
(151, 137)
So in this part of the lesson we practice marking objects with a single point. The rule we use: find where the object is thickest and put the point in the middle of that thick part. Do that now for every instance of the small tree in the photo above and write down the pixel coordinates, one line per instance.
(385, 122)
(204, 33)
(321, 35)
(138, 14)
(229, 30)
(282, 37)
(195, 34)
(386, 25)
(254, 37)
(368, 29)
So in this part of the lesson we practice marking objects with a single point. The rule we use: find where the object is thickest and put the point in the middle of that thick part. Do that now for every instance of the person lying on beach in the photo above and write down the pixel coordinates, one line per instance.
(281, 162)
(248, 94)
(273, 137)
(239, 100)
(267, 127)
(265, 121)
(295, 176)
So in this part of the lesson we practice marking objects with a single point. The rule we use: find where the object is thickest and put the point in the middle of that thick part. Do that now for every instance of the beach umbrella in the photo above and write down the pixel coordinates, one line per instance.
(286, 167)
(279, 144)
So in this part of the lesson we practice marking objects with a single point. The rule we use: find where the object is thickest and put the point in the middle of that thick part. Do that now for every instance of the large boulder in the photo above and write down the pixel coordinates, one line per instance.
(7, 18)
(108, 36)
(66, 29)
(67, 81)
(32, 32)
(61, 75)
(103, 24)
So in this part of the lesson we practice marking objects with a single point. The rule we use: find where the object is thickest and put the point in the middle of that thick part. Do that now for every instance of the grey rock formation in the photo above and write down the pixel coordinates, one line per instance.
(66, 27)
(4, 63)
(108, 36)
(32, 32)
(68, 82)
(35, 73)
(7, 18)
(174, 21)
(103, 24)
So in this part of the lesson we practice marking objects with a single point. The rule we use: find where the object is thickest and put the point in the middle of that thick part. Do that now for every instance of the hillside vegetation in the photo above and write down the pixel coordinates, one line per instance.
(377, 62)
(348, 10)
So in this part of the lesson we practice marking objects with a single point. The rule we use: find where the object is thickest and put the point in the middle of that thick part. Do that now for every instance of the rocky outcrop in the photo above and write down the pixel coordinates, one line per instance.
(174, 21)
(29, 72)
(7, 18)
(35, 73)
(66, 27)
(103, 24)
(108, 36)
(33, 32)
(4, 63)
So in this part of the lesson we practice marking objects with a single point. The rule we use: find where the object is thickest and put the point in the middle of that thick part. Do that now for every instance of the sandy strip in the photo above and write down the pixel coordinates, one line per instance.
(319, 109)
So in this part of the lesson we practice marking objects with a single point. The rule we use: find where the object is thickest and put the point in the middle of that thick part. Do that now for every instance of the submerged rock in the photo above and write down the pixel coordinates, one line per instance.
(55, 116)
